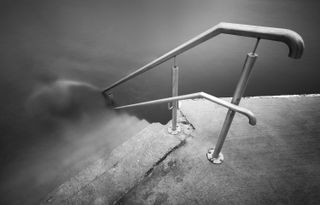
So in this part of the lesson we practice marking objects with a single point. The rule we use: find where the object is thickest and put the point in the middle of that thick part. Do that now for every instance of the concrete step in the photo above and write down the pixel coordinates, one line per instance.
(62, 153)
(108, 179)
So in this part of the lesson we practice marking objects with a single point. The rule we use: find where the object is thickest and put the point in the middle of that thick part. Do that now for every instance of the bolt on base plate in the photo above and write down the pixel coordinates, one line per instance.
(174, 132)
(217, 160)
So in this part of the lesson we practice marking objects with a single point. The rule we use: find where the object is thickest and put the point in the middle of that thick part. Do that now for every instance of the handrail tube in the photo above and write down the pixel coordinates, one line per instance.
(244, 111)
(289, 37)
(238, 93)
(175, 85)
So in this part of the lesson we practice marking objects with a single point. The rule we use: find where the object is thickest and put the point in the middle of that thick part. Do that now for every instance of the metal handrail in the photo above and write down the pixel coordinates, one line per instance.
(292, 39)
(236, 108)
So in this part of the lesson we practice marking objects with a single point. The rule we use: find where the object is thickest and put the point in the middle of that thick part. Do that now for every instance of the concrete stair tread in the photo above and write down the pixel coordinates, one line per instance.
(107, 179)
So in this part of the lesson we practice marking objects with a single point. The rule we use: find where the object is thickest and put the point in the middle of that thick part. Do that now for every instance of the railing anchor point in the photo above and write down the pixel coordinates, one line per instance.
(213, 160)
(174, 132)
(109, 98)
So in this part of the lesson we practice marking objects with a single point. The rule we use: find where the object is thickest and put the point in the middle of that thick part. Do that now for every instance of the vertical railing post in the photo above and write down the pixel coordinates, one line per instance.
(215, 155)
(174, 128)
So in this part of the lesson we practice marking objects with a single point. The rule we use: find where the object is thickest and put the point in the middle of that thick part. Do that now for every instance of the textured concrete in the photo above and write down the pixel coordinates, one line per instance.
(275, 162)
(106, 180)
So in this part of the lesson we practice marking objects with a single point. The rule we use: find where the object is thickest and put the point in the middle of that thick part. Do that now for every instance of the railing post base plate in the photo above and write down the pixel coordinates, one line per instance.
(174, 132)
(217, 160)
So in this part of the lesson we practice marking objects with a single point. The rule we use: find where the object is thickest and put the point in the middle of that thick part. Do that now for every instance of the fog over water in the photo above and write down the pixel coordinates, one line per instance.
(56, 57)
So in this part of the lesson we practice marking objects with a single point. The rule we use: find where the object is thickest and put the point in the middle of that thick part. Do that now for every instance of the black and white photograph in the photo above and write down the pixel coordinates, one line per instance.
(159, 102)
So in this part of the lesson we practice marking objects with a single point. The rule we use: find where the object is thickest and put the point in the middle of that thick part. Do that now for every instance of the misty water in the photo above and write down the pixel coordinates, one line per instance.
(57, 56)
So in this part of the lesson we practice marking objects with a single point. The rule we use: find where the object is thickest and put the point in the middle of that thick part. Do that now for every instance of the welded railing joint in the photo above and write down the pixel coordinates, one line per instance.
(109, 98)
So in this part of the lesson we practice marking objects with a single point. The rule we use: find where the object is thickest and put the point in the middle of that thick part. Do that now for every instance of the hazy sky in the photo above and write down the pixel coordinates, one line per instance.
(43, 42)
(100, 41)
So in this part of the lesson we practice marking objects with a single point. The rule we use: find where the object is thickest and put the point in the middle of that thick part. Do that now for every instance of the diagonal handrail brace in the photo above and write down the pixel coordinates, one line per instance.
(236, 108)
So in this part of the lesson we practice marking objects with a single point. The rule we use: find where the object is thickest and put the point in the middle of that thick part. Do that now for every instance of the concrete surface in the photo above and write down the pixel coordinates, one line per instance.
(106, 180)
(275, 162)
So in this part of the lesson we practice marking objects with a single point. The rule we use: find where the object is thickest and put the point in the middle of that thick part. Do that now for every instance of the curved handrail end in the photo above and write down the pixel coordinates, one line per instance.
(293, 40)
(252, 118)
(244, 111)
